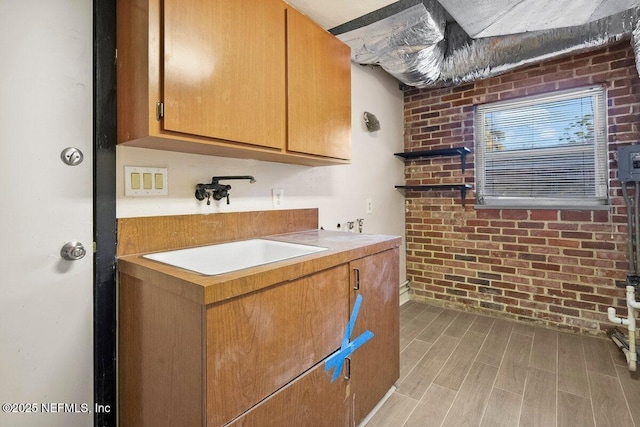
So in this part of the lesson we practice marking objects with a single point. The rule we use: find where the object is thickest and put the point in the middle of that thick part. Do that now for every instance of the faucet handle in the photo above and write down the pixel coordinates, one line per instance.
(201, 193)
(220, 191)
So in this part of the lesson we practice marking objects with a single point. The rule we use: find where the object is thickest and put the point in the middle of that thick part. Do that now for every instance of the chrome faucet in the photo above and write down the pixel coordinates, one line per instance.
(217, 190)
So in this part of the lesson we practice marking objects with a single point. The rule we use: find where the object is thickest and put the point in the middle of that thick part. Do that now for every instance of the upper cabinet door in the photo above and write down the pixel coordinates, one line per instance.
(319, 90)
(224, 70)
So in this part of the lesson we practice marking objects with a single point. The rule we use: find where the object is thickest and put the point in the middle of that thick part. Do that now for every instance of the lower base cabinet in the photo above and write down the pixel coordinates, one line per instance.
(310, 400)
(376, 367)
(259, 343)
(258, 360)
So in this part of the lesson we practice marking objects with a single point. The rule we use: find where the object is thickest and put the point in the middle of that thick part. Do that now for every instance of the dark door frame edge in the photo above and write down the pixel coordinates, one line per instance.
(104, 214)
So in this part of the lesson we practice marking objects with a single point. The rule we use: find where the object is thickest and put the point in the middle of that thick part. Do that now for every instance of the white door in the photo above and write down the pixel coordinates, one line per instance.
(46, 320)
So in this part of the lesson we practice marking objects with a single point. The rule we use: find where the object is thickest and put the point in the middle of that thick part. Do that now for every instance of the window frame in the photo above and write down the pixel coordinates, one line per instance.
(599, 201)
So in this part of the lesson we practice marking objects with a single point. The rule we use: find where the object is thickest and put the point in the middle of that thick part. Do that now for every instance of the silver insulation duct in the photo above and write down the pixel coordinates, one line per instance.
(411, 46)
(407, 45)
(635, 42)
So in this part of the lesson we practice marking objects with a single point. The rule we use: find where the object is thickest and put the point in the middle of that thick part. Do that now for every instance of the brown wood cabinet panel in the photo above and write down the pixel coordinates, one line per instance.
(311, 400)
(137, 34)
(160, 357)
(319, 89)
(150, 234)
(219, 67)
(375, 366)
(224, 70)
(260, 342)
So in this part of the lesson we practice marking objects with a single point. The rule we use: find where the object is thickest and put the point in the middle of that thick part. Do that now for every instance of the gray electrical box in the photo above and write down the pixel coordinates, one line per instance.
(629, 163)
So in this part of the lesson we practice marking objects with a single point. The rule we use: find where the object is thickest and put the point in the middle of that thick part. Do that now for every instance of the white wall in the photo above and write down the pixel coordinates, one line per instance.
(339, 192)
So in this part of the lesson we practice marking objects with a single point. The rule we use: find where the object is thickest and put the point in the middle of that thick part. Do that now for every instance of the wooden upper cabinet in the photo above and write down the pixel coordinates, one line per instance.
(319, 89)
(246, 79)
(224, 70)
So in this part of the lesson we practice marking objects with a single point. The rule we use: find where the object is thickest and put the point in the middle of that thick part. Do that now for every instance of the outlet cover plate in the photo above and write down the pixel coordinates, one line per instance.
(278, 197)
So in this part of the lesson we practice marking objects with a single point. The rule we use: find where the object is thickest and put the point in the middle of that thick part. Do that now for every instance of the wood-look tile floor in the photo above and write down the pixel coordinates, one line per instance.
(463, 369)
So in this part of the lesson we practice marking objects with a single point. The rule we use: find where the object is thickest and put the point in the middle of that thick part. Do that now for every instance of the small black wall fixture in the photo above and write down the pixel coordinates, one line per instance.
(216, 190)
(460, 187)
(458, 151)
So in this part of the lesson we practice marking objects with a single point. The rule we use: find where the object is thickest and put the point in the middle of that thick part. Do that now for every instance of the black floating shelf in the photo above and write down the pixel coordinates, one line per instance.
(460, 187)
(459, 151)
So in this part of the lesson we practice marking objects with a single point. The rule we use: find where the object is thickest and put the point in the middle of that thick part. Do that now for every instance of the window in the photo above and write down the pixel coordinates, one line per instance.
(543, 151)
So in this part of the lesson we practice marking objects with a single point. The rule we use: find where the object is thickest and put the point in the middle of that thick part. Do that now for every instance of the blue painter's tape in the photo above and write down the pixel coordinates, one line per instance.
(336, 360)
(352, 321)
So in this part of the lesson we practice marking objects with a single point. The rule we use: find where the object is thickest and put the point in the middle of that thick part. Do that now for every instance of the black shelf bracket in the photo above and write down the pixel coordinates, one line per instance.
(460, 187)
(459, 151)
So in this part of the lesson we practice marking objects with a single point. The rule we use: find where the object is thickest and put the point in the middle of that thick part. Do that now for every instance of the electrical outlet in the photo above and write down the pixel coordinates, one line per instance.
(369, 206)
(144, 181)
(278, 197)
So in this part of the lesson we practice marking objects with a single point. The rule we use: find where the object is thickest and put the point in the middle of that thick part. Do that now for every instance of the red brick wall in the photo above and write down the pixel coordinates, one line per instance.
(554, 267)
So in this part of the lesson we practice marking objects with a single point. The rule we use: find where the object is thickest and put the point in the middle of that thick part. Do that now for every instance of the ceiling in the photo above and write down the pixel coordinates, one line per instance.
(480, 18)
(487, 18)
(431, 43)
(331, 13)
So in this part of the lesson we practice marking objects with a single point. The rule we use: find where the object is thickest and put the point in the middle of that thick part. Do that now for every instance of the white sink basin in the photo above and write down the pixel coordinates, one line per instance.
(233, 256)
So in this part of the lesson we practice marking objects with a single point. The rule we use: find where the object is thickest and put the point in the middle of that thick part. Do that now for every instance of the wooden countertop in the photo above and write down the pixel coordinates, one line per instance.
(342, 248)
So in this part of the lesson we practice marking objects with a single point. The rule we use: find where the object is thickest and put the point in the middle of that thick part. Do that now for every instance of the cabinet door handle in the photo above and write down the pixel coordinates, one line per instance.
(357, 284)
(348, 368)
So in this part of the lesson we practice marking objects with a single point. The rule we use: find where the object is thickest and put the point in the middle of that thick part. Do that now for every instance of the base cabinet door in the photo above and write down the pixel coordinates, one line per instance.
(375, 366)
(311, 400)
(258, 343)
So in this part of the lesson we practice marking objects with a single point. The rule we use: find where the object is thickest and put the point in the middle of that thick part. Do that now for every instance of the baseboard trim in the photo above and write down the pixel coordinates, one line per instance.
(377, 407)
(404, 292)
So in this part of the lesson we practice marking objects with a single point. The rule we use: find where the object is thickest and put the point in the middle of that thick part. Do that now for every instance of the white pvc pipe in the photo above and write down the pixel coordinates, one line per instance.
(611, 312)
(632, 355)
(632, 305)
(631, 298)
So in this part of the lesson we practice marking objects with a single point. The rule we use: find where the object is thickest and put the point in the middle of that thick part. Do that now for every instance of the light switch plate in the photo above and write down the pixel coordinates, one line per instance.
(145, 181)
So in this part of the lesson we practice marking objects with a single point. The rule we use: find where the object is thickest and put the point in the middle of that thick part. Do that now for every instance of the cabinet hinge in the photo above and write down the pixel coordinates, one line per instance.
(159, 111)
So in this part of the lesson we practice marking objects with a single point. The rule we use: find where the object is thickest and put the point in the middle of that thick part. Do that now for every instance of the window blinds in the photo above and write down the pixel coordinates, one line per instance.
(548, 150)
